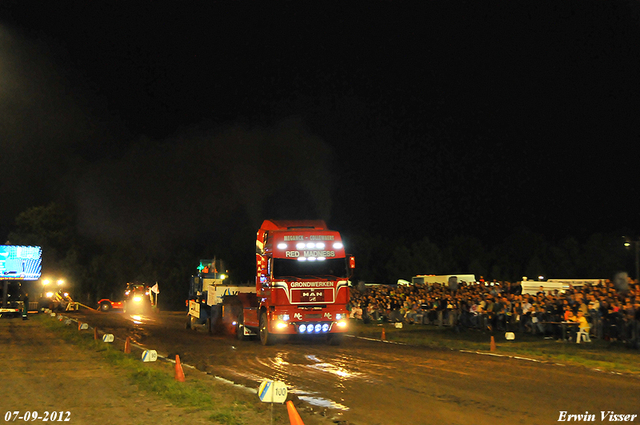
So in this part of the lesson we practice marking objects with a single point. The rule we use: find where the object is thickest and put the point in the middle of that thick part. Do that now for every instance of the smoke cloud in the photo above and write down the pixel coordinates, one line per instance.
(60, 143)
(207, 184)
(43, 123)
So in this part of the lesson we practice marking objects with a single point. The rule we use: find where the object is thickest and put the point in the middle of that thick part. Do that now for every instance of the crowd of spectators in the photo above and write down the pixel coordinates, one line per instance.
(599, 310)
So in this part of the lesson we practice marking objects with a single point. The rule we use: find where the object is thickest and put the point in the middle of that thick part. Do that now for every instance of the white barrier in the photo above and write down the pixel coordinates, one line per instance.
(149, 355)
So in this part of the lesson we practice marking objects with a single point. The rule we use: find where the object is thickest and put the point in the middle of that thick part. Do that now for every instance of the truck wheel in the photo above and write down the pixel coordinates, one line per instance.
(105, 307)
(265, 337)
(240, 327)
(335, 339)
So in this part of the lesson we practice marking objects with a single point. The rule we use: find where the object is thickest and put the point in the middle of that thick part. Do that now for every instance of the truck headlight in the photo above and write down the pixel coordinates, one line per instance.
(137, 299)
(283, 317)
(342, 324)
(281, 325)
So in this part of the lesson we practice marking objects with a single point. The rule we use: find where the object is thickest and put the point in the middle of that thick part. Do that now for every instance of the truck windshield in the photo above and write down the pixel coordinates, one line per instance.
(336, 267)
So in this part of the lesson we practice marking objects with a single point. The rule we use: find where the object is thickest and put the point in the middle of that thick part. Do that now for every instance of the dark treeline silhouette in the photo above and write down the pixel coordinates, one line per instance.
(522, 253)
(101, 269)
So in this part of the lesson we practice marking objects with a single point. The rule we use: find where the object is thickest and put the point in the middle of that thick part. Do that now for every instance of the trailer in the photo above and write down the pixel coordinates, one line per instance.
(449, 280)
(210, 296)
(17, 264)
(532, 287)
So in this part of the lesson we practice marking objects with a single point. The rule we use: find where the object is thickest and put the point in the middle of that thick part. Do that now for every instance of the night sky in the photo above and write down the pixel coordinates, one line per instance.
(160, 119)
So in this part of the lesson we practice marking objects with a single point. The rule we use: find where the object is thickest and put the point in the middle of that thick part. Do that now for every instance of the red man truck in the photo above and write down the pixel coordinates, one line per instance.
(302, 282)
(302, 286)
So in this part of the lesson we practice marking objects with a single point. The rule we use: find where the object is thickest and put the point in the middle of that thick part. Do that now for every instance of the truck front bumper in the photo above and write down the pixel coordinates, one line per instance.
(309, 328)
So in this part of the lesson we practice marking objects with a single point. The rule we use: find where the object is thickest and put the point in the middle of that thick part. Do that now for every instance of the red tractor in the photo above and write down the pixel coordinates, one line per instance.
(137, 299)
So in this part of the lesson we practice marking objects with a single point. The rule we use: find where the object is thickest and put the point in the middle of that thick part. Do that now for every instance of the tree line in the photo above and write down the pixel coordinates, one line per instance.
(521, 254)
(97, 270)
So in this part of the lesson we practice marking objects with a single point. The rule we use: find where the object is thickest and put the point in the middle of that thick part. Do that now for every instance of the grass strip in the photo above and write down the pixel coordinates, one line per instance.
(598, 354)
(225, 405)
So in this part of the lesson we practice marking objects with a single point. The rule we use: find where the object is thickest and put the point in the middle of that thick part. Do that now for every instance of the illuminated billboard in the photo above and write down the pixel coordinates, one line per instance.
(20, 262)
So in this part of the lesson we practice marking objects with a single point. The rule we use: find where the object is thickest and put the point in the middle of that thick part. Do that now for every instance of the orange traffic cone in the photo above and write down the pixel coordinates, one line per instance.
(179, 376)
(127, 346)
(79, 325)
(493, 344)
(383, 336)
(294, 417)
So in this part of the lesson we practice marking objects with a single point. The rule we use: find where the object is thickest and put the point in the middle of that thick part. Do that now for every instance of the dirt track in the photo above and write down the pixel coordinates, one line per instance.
(367, 382)
(41, 373)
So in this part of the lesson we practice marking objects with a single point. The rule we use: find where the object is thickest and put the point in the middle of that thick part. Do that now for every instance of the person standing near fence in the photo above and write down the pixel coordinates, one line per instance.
(25, 308)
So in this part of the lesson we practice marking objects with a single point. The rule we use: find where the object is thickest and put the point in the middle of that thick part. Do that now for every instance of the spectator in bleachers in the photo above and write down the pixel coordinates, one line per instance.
(610, 314)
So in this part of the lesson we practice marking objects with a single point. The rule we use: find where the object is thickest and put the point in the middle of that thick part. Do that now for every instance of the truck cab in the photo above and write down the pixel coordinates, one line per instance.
(302, 281)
